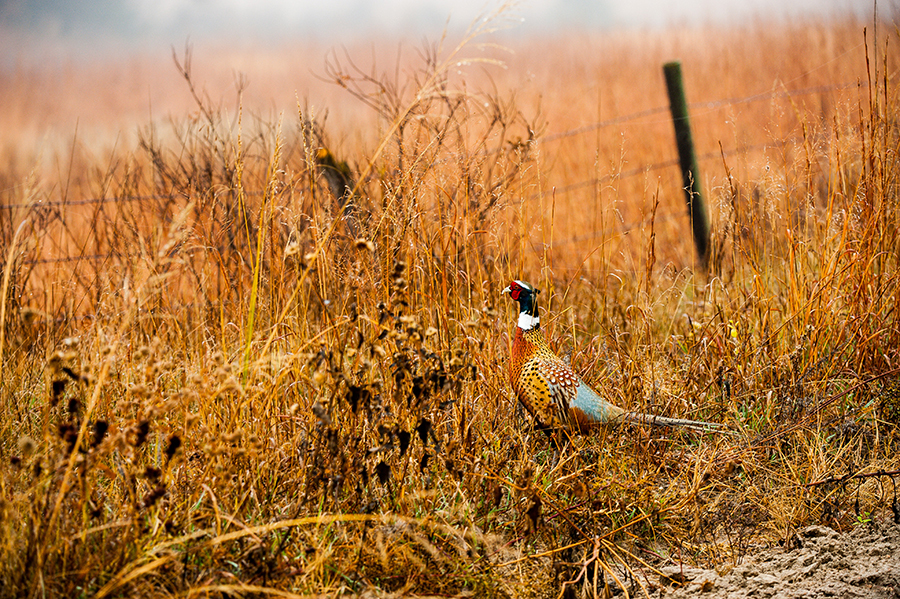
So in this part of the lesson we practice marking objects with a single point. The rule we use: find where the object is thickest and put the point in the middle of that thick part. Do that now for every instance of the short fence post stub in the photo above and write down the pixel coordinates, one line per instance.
(690, 174)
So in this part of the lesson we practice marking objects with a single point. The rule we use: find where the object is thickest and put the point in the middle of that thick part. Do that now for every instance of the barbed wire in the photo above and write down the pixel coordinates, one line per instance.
(172, 252)
(779, 94)
(88, 201)
(107, 200)
(734, 101)
(666, 164)
(35, 261)
(603, 124)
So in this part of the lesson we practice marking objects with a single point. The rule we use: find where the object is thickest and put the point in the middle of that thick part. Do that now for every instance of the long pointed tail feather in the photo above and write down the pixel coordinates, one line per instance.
(589, 409)
(694, 425)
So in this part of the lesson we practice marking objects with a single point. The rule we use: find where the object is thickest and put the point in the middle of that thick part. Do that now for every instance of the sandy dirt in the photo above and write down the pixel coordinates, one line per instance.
(864, 562)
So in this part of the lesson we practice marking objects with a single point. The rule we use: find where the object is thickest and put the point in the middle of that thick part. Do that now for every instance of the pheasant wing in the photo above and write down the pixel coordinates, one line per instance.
(547, 387)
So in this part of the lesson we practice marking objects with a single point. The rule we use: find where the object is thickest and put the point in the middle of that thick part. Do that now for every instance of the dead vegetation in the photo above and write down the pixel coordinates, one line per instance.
(274, 369)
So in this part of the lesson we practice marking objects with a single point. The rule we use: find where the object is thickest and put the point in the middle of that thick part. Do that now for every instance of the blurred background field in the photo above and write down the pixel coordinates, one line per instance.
(598, 109)
(253, 341)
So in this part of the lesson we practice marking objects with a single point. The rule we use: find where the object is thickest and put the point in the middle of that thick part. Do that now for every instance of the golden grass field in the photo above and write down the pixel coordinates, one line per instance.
(216, 382)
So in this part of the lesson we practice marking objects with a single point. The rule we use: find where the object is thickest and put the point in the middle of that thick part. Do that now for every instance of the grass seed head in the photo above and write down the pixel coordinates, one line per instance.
(26, 446)
(365, 244)
(30, 316)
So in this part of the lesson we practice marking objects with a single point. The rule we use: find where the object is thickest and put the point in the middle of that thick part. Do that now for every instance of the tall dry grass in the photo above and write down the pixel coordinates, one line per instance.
(279, 365)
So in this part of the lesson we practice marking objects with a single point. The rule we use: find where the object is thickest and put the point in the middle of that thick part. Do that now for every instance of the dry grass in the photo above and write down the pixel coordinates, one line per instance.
(277, 374)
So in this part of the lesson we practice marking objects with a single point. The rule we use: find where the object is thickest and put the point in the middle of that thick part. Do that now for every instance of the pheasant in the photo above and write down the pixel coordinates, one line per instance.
(551, 392)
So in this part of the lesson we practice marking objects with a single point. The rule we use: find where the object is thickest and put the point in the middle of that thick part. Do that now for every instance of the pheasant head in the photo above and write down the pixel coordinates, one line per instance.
(526, 296)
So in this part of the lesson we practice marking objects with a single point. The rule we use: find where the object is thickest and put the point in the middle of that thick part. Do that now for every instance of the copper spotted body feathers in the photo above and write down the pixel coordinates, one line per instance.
(551, 392)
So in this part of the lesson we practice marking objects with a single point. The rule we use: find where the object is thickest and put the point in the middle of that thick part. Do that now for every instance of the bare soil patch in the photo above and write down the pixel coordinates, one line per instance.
(864, 562)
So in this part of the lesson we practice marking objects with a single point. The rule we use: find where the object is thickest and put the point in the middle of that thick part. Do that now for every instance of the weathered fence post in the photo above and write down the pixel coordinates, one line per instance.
(690, 174)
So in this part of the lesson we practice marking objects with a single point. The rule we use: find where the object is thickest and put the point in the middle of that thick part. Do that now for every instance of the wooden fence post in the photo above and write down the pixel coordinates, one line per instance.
(690, 174)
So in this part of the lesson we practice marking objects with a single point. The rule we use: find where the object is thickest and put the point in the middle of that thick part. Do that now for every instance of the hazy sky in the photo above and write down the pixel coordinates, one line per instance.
(81, 27)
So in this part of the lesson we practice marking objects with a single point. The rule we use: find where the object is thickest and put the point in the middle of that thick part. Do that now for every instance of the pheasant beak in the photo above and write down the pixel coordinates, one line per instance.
(506, 291)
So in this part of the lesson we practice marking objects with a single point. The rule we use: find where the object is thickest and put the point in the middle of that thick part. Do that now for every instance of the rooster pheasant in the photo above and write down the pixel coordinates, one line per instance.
(551, 392)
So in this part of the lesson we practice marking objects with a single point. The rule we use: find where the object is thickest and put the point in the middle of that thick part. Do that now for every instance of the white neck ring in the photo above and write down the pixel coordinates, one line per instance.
(527, 321)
